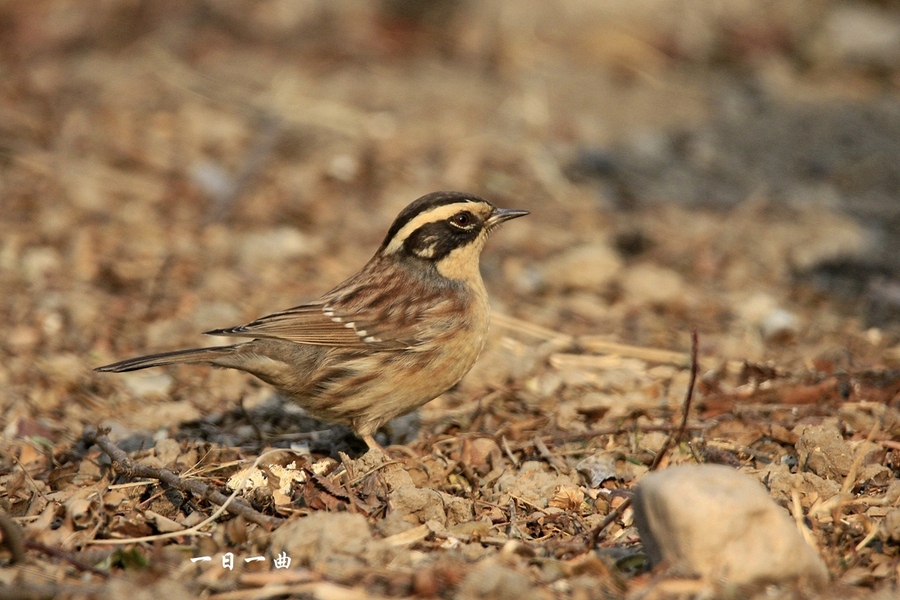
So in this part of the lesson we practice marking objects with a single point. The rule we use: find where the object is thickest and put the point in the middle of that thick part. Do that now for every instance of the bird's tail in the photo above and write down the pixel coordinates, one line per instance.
(195, 355)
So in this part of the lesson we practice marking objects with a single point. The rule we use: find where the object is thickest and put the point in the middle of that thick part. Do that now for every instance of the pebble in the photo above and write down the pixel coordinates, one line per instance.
(763, 313)
(493, 579)
(161, 415)
(861, 34)
(67, 369)
(718, 523)
(653, 285)
(411, 506)
(534, 483)
(892, 525)
(22, 338)
(281, 243)
(590, 267)
(39, 262)
(334, 542)
(781, 484)
(779, 326)
(148, 385)
(822, 450)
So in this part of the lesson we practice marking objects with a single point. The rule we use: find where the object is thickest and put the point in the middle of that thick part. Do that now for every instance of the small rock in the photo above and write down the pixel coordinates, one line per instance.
(419, 505)
(282, 243)
(779, 326)
(822, 450)
(481, 454)
(782, 483)
(171, 589)
(167, 450)
(213, 180)
(590, 267)
(892, 525)
(393, 475)
(213, 314)
(22, 338)
(653, 285)
(861, 34)
(165, 414)
(344, 167)
(68, 370)
(877, 475)
(337, 543)
(533, 483)
(39, 262)
(763, 313)
(149, 385)
(493, 579)
(716, 522)
(892, 495)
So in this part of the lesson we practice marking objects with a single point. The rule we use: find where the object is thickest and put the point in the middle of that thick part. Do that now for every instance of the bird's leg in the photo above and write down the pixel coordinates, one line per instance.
(371, 443)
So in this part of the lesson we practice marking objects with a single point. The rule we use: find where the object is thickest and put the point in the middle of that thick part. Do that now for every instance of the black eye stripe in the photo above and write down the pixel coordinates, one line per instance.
(427, 203)
(437, 239)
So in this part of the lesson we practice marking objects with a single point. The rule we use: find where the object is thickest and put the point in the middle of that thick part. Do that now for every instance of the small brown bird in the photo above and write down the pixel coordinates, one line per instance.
(398, 333)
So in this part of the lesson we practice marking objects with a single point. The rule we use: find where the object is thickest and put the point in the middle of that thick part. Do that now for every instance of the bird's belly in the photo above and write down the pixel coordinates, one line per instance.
(367, 391)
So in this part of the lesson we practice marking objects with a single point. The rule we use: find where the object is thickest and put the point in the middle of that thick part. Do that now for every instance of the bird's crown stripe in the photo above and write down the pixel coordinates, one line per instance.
(433, 215)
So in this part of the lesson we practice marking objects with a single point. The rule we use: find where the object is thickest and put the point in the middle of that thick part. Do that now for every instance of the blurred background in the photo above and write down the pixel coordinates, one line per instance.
(168, 167)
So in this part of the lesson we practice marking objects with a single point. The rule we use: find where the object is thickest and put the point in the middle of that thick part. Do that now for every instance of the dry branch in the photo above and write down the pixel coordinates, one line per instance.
(676, 435)
(128, 468)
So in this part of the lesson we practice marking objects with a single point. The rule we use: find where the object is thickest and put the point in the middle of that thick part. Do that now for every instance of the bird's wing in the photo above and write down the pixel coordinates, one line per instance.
(320, 324)
(406, 312)
(387, 321)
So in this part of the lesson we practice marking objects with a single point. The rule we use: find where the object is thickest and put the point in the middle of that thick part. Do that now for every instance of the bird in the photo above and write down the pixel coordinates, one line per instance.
(400, 332)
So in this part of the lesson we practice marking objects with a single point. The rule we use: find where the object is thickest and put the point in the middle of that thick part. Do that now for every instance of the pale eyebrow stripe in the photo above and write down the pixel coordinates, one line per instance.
(430, 216)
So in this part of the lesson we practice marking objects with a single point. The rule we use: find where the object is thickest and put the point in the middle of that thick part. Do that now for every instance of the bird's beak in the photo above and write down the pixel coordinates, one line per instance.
(504, 214)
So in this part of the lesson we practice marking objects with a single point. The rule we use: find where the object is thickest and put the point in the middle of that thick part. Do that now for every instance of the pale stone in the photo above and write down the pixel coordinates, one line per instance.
(861, 34)
(164, 414)
(338, 543)
(650, 284)
(281, 243)
(591, 267)
(822, 450)
(718, 523)
(497, 581)
(149, 385)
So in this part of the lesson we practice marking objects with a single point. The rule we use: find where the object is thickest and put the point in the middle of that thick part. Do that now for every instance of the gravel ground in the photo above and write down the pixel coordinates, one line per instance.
(169, 168)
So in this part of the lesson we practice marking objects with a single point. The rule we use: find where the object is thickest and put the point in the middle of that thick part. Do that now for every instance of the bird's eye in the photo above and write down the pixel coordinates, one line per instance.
(462, 220)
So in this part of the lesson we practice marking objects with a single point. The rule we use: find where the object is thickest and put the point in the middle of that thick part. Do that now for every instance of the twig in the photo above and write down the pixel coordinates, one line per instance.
(797, 512)
(377, 467)
(63, 555)
(513, 530)
(15, 541)
(556, 462)
(512, 457)
(850, 479)
(125, 466)
(533, 329)
(890, 444)
(612, 516)
(677, 435)
(592, 433)
(466, 538)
